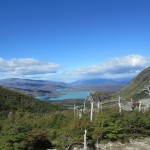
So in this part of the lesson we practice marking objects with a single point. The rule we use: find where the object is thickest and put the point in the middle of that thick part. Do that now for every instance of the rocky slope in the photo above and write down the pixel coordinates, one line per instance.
(138, 144)
(134, 88)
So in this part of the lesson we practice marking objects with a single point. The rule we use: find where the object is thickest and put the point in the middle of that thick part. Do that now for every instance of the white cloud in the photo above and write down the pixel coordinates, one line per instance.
(123, 67)
(25, 66)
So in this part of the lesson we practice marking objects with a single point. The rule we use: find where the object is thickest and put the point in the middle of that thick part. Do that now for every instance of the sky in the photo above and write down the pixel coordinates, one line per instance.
(68, 40)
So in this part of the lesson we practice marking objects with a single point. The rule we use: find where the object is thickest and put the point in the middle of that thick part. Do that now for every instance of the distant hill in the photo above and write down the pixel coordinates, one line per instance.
(34, 87)
(133, 89)
(100, 81)
(105, 85)
(48, 88)
(11, 101)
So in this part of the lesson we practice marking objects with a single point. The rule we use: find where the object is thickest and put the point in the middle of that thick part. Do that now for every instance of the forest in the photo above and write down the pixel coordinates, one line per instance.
(30, 124)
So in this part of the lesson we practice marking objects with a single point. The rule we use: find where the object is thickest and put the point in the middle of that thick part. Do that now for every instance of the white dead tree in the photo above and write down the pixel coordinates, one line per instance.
(91, 113)
(140, 104)
(99, 97)
(75, 108)
(131, 101)
(143, 107)
(119, 104)
(96, 98)
(85, 142)
(97, 145)
(92, 107)
(99, 104)
(84, 107)
(132, 105)
(84, 103)
(90, 99)
(78, 110)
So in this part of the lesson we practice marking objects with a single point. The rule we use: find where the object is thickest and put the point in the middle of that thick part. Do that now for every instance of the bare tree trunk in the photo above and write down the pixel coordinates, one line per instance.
(98, 105)
(80, 114)
(91, 114)
(84, 107)
(74, 108)
(140, 104)
(85, 142)
(119, 104)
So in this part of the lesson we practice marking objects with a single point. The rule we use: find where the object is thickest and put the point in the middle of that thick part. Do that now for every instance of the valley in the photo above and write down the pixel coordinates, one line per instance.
(108, 117)
(50, 90)
(74, 75)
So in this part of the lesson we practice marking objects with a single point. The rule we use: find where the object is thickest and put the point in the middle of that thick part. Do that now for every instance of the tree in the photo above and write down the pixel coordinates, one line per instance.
(99, 97)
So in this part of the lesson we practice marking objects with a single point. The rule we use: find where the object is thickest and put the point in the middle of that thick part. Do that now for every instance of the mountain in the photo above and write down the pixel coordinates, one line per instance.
(98, 84)
(34, 87)
(134, 88)
(54, 89)
(11, 101)
(100, 81)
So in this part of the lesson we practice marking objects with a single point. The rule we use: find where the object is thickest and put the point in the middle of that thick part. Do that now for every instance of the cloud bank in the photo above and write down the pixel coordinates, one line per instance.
(26, 66)
(123, 67)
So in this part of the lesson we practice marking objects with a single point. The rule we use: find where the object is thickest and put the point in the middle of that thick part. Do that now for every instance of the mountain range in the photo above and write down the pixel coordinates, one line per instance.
(34, 87)
(54, 89)
(100, 81)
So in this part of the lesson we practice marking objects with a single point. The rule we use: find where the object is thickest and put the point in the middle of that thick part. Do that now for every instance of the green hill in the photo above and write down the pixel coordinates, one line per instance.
(34, 129)
(133, 89)
(11, 101)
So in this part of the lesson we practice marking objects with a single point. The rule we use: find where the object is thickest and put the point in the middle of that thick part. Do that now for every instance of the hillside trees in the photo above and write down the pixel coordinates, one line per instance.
(22, 128)
(62, 128)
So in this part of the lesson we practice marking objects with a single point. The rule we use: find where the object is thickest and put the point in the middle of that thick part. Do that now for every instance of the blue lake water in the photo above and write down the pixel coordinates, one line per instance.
(68, 95)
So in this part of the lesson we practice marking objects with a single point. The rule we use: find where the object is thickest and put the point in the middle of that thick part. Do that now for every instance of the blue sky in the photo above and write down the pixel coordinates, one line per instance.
(74, 39)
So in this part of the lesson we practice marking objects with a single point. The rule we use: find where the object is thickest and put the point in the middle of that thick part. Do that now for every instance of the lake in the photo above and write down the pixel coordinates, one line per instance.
(67, 95)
